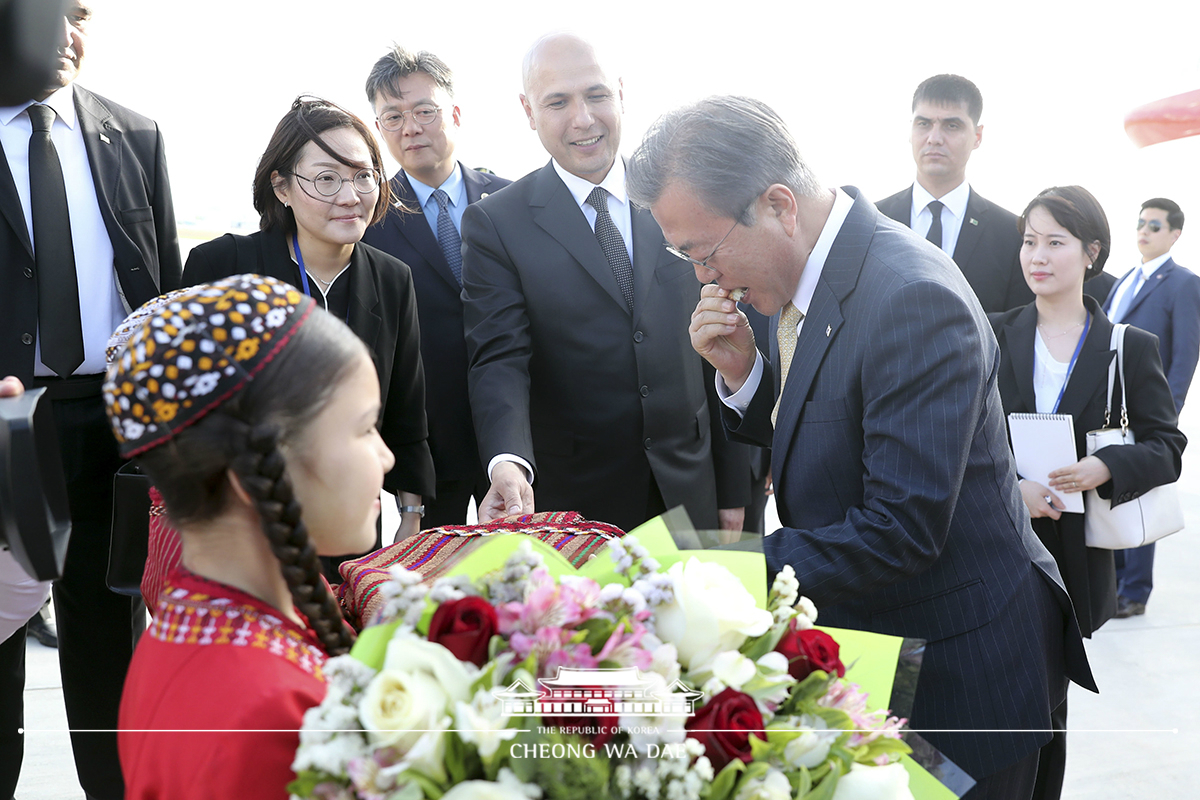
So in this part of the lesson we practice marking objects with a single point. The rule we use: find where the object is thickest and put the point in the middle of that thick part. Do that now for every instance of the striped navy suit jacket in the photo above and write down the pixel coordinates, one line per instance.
(898, 493)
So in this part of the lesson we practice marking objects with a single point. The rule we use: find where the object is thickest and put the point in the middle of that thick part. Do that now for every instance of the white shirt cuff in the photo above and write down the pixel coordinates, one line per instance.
(516, 460)
(739, 401)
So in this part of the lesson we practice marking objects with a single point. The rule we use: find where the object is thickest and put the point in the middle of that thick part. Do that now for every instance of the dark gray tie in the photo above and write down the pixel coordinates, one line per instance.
(613, 244)
(60, 331)
(448, 236)
(935, 230)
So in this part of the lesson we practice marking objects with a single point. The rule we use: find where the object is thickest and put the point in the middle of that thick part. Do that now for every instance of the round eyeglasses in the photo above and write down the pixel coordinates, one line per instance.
(422, 115)
(329, 183)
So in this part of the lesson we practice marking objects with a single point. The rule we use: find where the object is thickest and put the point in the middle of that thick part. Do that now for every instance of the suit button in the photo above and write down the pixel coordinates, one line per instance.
(28, 272)
(645, 391)
(28, 339)
(647, 442)
(637, 336)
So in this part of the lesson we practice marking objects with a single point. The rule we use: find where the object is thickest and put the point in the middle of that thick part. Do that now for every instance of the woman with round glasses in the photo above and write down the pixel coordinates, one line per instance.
(317, 188)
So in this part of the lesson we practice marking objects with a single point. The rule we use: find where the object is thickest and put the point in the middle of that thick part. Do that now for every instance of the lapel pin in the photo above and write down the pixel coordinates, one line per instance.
(828, 330)
(482, 195)
(973, 221)
(104, 139)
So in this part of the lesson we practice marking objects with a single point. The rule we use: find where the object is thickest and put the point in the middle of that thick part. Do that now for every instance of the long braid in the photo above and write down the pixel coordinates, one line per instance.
(263, 473)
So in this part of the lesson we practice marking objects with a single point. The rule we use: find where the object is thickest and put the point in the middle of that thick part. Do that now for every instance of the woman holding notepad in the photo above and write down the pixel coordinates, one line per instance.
(1055, 354)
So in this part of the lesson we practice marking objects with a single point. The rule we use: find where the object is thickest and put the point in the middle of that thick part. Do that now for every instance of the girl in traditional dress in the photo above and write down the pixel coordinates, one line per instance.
(254, 413)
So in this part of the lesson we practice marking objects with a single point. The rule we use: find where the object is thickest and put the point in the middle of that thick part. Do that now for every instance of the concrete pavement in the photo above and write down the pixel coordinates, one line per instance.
(1139, 738)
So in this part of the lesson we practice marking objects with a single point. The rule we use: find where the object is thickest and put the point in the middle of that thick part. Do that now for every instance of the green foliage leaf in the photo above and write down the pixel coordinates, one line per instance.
(307, 781)
(725, 780)
(824, 789)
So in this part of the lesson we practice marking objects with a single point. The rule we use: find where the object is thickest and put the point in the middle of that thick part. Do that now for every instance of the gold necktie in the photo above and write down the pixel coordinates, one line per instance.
(789, 319)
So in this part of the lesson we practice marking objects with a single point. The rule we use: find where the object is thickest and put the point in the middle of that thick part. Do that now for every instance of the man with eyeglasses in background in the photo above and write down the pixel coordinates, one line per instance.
(581, 372)
(416, 116)
(1162, 297)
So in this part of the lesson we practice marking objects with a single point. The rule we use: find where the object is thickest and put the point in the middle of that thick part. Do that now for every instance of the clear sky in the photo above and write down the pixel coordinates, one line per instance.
(1057, 78)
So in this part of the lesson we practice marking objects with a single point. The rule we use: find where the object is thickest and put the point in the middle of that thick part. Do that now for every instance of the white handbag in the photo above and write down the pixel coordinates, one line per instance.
(1155, 514)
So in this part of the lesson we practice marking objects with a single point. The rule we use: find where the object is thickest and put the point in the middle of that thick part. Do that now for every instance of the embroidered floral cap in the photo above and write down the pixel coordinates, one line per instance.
(188, 351)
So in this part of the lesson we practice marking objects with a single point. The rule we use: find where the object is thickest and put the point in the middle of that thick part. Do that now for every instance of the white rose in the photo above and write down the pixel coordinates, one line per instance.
(865, 782)
(772, 786)
(711, 612)
(507, 787)
(482, 723)
(733, 669)
(398, 706)
(411, 654)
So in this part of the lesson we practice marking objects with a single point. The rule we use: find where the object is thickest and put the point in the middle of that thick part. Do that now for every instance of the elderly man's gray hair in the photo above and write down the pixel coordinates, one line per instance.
(728, 149)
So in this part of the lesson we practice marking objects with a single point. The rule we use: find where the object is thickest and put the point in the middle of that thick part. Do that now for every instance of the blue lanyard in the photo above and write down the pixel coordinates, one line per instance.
(1078, 348)
(304, 275)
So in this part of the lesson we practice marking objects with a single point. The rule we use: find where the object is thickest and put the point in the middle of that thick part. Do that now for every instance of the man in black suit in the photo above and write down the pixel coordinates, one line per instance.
(1162, 297)
(893, 477)
(581, 375)
(940, 206)
(87, 233)
(418, 120)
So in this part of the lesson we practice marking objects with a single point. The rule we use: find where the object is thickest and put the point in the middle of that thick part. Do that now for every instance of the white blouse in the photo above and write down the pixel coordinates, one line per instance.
(1049, 375)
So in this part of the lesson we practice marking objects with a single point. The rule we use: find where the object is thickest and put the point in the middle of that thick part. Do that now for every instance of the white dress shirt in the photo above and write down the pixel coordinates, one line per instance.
(1126, 284)
(100, 305)
(802, 299)
(953, 214)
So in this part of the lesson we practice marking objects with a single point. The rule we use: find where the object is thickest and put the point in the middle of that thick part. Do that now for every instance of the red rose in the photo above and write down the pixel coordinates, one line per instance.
(809, 650)
(464, 627)
(724, 726)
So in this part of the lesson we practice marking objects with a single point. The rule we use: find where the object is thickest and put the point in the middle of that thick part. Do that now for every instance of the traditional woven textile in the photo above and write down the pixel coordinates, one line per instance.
(433, 552)
(163, 552)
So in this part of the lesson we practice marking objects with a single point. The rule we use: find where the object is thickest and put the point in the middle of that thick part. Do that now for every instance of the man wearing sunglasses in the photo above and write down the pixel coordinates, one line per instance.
(418, 119)
(1162, 297)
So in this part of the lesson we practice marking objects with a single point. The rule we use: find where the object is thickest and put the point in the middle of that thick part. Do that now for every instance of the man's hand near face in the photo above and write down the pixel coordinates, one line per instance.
(721, 334)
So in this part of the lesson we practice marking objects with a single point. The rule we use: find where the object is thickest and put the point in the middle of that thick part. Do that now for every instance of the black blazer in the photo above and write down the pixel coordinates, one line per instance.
(129, 171)
(405, 234)
(1136, 469)
(898, 497)
(1169, 307)
(606, 405)
(987, 252)
(382, 313)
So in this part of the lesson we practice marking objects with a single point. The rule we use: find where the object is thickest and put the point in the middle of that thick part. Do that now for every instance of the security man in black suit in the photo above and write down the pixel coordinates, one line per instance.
(942, 207)
(87, 233)
(418, 120)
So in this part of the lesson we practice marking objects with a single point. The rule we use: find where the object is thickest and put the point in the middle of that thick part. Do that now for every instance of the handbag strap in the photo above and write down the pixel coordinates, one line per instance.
(1116, 368)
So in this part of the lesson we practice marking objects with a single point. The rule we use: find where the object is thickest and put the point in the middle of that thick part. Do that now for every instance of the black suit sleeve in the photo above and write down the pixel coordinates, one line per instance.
(210, 262)
(1156, 458)
(496, 325)
(731, 460)
(404, 427)
(170, 268)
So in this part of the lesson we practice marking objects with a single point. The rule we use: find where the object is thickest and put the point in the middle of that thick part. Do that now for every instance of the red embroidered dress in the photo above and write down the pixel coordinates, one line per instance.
(230, 678)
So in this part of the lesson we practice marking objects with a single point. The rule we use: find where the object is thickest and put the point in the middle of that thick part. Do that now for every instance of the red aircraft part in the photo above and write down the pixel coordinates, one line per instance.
(1163, 120)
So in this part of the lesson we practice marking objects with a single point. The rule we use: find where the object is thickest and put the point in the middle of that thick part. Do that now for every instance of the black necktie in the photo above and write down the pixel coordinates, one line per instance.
(935, 230)
(613, 244)
(448, 236)
(60, 331)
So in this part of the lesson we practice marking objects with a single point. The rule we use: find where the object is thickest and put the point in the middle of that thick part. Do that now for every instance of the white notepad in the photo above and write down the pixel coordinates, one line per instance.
(1041, 444)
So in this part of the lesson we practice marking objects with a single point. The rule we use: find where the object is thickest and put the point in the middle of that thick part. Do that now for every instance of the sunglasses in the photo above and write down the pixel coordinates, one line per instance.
(1154, 225)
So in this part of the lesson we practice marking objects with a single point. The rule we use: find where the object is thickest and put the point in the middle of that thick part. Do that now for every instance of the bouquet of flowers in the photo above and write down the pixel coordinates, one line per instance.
(653, 683)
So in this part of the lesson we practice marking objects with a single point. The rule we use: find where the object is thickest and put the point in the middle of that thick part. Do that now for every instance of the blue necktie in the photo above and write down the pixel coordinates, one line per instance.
(1121, 310)
(448, 236)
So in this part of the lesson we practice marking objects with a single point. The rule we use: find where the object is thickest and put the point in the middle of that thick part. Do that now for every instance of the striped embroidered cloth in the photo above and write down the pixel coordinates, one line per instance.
(433, 552)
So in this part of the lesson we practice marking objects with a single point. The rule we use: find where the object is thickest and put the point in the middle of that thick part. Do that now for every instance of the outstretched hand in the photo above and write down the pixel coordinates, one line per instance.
(11, 387)
(721, 334)
(509, 496)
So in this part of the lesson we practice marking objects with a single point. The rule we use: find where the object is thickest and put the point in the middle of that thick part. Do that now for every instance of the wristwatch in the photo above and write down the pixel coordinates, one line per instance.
(413, 510)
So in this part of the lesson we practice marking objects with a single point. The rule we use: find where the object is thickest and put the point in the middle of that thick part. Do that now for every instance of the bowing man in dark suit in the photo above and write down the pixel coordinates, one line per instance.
(943, 208)
(1163, 298)
(892, 472)
(418, 120)
(87, 233)
(581, 376)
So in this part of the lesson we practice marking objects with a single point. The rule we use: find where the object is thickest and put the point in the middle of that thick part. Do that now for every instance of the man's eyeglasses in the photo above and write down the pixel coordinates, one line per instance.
(329, 183)
(1154, 225)
(694, 262)
(422, 115)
